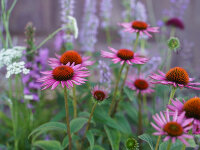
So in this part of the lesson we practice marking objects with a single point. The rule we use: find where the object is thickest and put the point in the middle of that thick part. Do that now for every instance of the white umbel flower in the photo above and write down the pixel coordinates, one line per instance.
(16, 68)
(7, 56)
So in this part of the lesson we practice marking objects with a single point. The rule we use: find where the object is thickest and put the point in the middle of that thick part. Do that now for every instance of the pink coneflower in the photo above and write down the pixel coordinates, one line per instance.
(139, 27)
(174, 129)
(191, 109)
(177, 76)
(99, 93)
(175, 22)
(140, 84)
(124, 56)
(67, 75)
(70, 57)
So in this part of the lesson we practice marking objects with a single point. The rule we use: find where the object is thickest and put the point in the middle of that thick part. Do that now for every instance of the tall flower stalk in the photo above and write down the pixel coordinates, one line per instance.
(106, 10)
(116, 89)
(90, 24)
(67, 118)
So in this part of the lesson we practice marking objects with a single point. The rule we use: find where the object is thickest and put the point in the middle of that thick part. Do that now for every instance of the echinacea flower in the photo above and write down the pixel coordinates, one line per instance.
(99, 93)
(191, 108)
(175, 22)
(139, 26)
(70, 56)
(67, 75)
(173, 129)
(140, 84)
(124, 56)
(177, 77)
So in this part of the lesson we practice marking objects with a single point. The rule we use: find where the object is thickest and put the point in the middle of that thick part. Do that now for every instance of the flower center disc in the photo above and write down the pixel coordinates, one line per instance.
(139, 25)
(178, 75)
(71, 56)
(141, 84)
(63, 73)
(99, 95)
(125, 54)
(173, 129)
(192, 108)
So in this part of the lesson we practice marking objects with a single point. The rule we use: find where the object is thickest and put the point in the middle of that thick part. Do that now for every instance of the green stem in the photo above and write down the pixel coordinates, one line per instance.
(169, 145)
(88, 123)
(157, 143)
(67, 118)
(140, 125)
(45, 40)
(74, 101)
(145, 108)
(121, 90)
(173, 91)
(136, 41)
(183, 148)
(169, 56)
(108, 37)
(116, 88)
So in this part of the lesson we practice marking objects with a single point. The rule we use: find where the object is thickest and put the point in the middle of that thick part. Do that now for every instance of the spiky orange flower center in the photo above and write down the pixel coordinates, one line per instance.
(192, 108)
(141, 84)
(71, 56)
(63, 73)
(173, 129)
(139, 25)
(99, 95)
(178, 75)
(125, 54)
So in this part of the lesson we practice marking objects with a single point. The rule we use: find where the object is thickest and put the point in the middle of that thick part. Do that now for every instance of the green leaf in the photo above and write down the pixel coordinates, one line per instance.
(192, 143)
(90, 138)
(48, 145)
(123, 123)
(77, 123)
(129, 93)
(147, 138)
(131, 111)
(177, 145)
(59, 116)
(102, 117)
(98, 147)
(50, 126)
(65, 142)
(114, 137)
(5, 119)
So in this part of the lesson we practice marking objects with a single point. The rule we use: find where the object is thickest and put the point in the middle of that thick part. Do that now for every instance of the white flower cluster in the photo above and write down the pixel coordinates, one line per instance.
(7, 56)
(16, 68)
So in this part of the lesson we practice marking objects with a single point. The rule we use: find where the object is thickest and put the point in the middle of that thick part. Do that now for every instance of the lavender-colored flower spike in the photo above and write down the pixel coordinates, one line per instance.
(30, 80)
(105, 73)
(67, 7)
(140, 12)
(177, 9)
(90, 26)
(106, 10)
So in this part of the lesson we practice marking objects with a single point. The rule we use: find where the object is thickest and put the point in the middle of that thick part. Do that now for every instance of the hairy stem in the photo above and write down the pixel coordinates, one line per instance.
(67, 118)
(116, 88)
(74, 101)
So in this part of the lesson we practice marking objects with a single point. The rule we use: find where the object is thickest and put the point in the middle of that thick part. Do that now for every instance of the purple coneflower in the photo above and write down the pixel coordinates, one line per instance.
(174, 129)
(175, 22)
(140, 84)
(140, 27)
(70, 56)
(99, 93)
(124, 56)
(177, 77)
(191, 109)
(67, 75)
